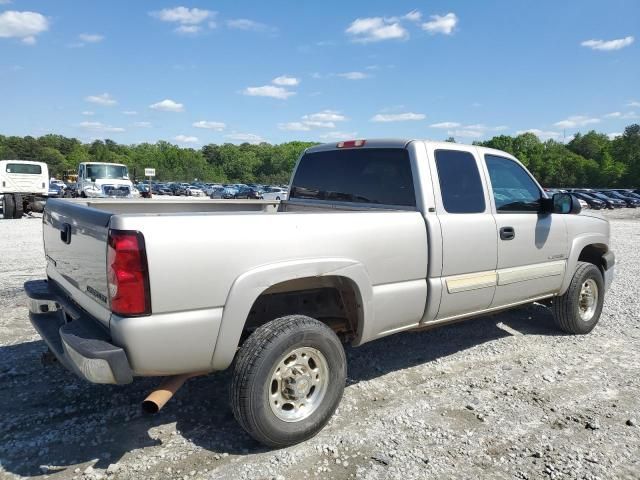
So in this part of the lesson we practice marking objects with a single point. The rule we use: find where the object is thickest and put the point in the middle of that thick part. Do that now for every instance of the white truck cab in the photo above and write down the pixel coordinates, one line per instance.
(24, 186)
(101, 180)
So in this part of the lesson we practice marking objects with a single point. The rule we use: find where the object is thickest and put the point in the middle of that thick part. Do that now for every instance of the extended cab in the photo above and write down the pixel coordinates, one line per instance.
(377, 237)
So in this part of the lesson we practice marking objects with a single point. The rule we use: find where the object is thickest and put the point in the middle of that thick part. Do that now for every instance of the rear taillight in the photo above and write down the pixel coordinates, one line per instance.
(127, 273)
(351, 144)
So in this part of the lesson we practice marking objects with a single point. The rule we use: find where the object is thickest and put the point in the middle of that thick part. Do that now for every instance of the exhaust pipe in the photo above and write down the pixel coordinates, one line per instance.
(169, 386)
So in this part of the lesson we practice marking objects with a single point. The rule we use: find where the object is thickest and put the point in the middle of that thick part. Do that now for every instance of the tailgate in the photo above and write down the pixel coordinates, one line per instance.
(75, 244)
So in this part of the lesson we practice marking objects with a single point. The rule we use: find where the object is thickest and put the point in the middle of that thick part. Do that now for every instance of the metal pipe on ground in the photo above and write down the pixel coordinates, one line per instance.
(169, 386)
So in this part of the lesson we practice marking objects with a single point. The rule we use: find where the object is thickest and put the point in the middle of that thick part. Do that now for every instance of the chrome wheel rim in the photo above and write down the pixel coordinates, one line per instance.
(588, 300)
(298, 384)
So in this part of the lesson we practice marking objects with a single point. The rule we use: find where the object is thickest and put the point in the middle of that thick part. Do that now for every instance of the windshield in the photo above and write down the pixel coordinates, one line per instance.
(107, 171)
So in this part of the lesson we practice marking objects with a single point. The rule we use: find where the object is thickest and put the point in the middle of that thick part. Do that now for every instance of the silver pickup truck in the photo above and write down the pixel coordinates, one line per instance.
(377, 237)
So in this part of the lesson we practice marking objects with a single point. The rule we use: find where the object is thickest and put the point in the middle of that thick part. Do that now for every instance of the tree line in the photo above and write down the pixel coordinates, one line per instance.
(591, 159)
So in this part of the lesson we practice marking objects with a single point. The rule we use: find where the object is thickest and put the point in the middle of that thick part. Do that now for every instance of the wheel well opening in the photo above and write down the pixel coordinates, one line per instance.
(593, 254)
(332, 300)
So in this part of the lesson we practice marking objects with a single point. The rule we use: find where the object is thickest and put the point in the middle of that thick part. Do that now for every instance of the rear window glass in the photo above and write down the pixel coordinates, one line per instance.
(27, 168)
(366, 175)
(460, 183)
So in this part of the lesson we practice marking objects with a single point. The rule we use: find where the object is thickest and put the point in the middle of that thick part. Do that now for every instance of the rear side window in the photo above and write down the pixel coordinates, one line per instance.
(513, 188)
(364, 175)
(27, 168)
(460, 183)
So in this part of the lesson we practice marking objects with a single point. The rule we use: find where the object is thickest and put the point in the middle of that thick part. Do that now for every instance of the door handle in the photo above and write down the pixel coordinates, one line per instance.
(507, 233)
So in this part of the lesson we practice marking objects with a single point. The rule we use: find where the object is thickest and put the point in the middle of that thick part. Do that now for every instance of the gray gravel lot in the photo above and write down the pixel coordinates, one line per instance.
(503, 396)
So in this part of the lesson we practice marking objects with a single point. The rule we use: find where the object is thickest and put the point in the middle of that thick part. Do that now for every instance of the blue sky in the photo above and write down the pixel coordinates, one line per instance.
(213, 71)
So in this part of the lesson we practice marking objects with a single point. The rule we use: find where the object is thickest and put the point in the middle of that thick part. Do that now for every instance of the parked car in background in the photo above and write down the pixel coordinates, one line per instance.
(143, 190)
(625, 202)
(275, 193)
(610, 202)
(593, 202)
(56, 190)
(630, 201)
(193, 191)
(229, 192)
(216, 192)
(243, 192)
(211, 188)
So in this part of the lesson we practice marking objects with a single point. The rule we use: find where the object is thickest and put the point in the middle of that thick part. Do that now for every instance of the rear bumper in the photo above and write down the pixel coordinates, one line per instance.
(77, 340)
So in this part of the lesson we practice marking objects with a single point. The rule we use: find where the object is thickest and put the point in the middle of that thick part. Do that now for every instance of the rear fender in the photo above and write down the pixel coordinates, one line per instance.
(250, 285)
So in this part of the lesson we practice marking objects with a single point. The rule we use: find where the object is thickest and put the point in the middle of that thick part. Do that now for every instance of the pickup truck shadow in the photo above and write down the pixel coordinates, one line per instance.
(51, 421)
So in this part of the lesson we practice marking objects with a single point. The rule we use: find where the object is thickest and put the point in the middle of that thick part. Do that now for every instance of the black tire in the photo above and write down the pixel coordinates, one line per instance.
(18, 210)
(256, 362)
(567, 307)
(8, 206)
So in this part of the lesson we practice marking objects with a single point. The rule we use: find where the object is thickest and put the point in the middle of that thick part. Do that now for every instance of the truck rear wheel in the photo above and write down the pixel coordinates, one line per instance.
(579, 309)
(288, 380)
(18, 211)
(8, 206)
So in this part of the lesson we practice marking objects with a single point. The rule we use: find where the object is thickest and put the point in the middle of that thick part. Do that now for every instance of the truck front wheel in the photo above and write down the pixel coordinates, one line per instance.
(8, 206)
(578, 310)
(288, 380)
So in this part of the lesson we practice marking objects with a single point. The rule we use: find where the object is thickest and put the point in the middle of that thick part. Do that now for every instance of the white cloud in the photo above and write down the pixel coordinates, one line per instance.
(91, 37)
(466, 133)
(245, 137)
(576, 121)
(87, 113)
(286, 81)
(130, 112)
(397, 117)
(269, 91)
(614, 135)
(326, 116)
(339, 135)
(353, 75)
(25, 26)
(217, 126)
(445, 125)
(5, 2)
(183, 15)
(608, 45)
(185, 139)
(376, 29)
(99, 127)
(142, 124)
(633, 104)
(613, 115)
(189, 20)
(246, 24)
(414, 16)
(441, 24)
(104, 99)
(168, 105)
(541, 134)
(188, 29)
(316, 124)
(295, 126)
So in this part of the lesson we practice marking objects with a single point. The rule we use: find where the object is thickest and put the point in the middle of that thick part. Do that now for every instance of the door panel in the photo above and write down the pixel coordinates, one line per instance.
(469, 240)
(532, 256)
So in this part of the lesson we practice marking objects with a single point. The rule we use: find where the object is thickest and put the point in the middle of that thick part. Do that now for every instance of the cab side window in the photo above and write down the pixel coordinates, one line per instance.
(460, 184)
(514, 191)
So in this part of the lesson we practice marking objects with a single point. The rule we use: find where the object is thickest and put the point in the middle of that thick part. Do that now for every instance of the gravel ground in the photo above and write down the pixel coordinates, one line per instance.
(503, 396)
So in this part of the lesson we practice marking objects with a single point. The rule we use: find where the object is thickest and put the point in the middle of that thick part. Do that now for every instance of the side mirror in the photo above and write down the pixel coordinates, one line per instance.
(565, 203)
